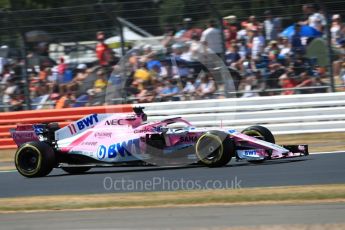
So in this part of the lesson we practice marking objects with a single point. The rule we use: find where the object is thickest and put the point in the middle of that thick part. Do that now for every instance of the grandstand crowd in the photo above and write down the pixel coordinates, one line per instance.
(261, 60)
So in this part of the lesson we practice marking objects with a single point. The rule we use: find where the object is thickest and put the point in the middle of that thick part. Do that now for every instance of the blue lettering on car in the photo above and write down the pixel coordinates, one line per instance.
(231, 131)
(250, 152)
(119, 149)
(87, 122)
(101, 152)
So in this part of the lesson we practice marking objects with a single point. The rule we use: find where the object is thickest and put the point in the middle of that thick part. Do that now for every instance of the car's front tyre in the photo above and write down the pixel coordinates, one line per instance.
(214, 149)
(262, 133)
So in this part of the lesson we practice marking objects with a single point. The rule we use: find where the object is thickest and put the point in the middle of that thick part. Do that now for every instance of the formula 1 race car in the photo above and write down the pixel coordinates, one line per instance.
(126, 139)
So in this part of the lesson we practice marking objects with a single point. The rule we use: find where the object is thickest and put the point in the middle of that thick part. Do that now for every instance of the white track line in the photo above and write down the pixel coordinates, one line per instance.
(343, 151)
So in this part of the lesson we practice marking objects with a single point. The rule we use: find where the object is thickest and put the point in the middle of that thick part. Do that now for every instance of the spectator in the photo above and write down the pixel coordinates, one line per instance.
(66, 101)
(276, 70)
(319, 83)
(190, 31)
(253, 24)
(10, 91)
(230, 30)
(296, 41)
(102, 50)
(170, 91)
(146, 95)
(287, 83)
(305, 81)
(260, 83)
(16, 102)
(212, 39)
(340, 58)
(169, 38)
(272, 50)
(258, 43)
(61, 68)
(190, 89)
(272, 26)
(207, 87)
(101, 82)
(97, 93)
(142, 75)
(315, 19)
(247, 87)
(285, 50)
(233, 58)
(195, 48)
(81, 72)
(337, 29)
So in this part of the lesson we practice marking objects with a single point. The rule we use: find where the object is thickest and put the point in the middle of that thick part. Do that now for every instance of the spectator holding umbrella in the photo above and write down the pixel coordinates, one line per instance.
(296, 41)
(315, 19)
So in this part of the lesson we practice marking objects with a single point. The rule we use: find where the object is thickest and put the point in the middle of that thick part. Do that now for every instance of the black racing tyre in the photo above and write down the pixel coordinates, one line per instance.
(262, 133)
(76, 170)
(214, 149)
(35, 159)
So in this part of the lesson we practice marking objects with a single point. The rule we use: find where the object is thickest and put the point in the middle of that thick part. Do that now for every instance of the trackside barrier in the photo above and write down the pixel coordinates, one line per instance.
(310, 113)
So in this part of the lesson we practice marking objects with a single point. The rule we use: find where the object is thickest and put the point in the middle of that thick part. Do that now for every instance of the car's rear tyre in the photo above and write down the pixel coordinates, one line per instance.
(76, 170)
(35, 159)
(214, 149)
(262, 133)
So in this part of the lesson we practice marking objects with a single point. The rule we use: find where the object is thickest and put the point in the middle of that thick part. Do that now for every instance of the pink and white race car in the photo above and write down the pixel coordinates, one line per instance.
(101, 140)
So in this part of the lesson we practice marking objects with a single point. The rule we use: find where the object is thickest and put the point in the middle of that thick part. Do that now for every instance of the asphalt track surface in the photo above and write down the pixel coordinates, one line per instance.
(213, 217)
(315, 169)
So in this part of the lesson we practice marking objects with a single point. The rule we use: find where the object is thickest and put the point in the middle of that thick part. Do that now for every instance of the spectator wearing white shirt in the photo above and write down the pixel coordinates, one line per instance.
(272, 26)
(258, 43)
(212, 38)
(337, 29)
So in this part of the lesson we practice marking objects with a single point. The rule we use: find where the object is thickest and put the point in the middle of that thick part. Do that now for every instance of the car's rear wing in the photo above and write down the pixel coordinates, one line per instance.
(25, 133)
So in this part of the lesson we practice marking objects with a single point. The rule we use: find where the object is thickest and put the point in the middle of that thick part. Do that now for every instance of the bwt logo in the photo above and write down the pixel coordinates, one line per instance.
(123, 149)
(250, 152)
(87, 122)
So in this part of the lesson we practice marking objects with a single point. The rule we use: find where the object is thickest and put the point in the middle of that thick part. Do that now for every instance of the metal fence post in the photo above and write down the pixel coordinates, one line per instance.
(329, 45)
(219, 18)
(25, 73)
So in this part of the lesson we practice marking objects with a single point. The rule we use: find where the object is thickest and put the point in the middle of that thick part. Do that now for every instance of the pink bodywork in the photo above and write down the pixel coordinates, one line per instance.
(122, 137)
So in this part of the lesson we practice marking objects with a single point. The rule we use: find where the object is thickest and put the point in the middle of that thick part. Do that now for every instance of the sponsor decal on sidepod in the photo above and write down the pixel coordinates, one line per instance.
(84, 123)
(126, 148)
(103, 135)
